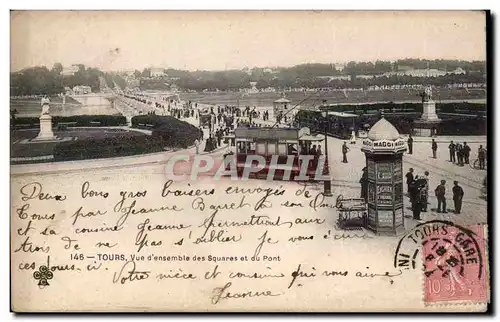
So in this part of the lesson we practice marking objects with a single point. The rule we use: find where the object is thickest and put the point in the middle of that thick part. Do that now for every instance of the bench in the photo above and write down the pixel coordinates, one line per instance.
(62, 126)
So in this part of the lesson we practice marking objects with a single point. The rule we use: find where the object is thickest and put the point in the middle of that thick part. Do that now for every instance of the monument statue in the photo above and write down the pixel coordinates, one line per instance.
(427, 94)
(425, 126)
(45, 105)
(45, 133)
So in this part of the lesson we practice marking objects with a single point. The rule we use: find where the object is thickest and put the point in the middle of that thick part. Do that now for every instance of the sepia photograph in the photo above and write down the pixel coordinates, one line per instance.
(249, 161)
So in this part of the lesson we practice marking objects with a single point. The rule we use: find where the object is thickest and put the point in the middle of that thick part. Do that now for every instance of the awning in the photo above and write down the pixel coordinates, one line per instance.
(312, 138)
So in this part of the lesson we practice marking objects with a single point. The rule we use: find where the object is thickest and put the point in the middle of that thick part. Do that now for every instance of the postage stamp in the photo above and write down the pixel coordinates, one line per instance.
(456, 266)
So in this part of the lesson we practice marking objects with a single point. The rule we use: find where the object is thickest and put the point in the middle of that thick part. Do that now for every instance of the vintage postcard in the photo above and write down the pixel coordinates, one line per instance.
(249, 161)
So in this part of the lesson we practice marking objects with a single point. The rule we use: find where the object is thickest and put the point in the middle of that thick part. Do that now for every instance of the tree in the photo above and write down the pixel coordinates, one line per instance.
(146, 72)
(137, 74)
(57, 68)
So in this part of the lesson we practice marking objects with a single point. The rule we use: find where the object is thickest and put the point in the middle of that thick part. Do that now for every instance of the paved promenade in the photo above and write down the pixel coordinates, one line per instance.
(346, 178)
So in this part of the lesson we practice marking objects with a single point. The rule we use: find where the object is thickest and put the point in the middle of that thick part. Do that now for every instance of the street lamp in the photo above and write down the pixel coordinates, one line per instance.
(327, 183)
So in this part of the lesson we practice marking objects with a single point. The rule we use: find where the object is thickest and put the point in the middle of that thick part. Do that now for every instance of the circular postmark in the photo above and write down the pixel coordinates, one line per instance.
(452, 257)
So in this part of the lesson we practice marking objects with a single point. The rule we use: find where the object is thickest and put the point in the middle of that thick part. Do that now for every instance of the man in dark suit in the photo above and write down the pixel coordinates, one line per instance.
(441, 198)
(451, 147)
(410, 144)
(466, 152)
(434, 148)
(458, 194)
(409, 179)
(345, 149)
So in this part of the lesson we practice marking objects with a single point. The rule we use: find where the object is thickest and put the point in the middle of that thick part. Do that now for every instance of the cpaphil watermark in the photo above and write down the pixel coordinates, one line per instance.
(295, 168)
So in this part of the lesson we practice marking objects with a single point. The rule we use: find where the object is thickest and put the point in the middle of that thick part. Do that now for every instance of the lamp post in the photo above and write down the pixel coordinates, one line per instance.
(327, 189)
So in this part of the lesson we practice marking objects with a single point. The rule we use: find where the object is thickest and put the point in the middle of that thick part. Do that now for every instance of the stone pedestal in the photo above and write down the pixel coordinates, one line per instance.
(429, 111)
(428, 122)
(45, 133)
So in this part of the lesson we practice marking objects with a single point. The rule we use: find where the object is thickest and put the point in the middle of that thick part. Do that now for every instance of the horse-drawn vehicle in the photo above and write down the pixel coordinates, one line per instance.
(206, 119)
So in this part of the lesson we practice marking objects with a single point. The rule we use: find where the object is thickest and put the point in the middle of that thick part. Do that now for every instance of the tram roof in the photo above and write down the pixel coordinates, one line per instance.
(267, 133)
(292, 134)
(342, 114)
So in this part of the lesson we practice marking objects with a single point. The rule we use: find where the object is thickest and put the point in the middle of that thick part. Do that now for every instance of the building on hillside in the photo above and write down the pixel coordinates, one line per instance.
(70, 71)
(247, 70)
(425, 73)
(416, 73)
(403, 68)
(129, 73)
(268, 90)
(81, 90)
(158, 72)
(339, 67)
(68, 90)
(458, 71)
(133, 82)
(269, 70)
(336, 77)
(365, 76)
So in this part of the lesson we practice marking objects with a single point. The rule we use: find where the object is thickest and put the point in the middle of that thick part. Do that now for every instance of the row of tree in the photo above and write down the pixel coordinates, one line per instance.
(352, 69)
(40, 80)
(225, 83)
(316, 75)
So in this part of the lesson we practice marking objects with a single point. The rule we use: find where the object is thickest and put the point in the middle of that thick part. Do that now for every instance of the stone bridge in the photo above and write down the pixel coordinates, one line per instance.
(95, 99)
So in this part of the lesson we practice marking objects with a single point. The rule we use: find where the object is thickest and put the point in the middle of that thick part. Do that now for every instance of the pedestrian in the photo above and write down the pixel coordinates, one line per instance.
(219, 138)
(481, 155)
(425, 192)
(313, 150)
(460, 155)
(364, 185)
(409, 179)
(458, 194)
(410, 144)
(434, 148)
(441, 198)
(451, 147)
(466, 152)
(416, 203)
(197, 146)
(345, 149)
(318, 151)
(413, 189)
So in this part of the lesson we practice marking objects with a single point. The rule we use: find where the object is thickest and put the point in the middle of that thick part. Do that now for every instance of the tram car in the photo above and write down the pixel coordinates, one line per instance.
(284, 142)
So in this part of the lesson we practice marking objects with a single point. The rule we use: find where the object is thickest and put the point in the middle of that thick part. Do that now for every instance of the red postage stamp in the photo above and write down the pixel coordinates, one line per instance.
(456, 266)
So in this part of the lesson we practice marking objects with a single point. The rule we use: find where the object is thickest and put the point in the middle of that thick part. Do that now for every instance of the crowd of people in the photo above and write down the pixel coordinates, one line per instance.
(459, 153)
(418, 192)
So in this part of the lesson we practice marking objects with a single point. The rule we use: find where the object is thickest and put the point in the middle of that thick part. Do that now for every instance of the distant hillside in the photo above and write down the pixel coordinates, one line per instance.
(335, 97)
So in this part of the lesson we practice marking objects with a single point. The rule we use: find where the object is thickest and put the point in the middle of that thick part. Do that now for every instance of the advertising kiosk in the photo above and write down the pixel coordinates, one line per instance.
(384, 150)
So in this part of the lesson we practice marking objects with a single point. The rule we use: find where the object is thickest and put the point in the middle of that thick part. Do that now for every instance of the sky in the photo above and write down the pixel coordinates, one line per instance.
(218, 40)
